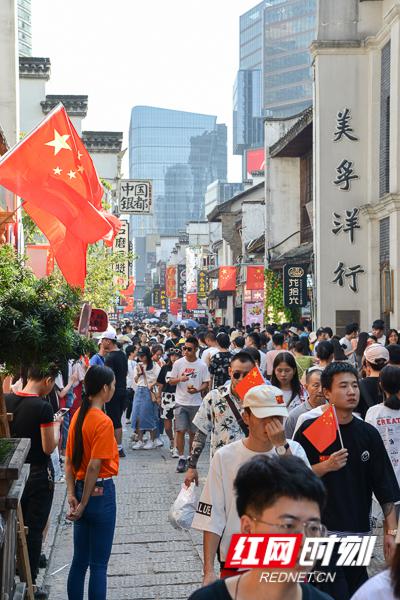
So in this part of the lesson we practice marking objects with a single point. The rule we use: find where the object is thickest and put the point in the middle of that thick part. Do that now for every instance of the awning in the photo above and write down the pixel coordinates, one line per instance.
(300, 254)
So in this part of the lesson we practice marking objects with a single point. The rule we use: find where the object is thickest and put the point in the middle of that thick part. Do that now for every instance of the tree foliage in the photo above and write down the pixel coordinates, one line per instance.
(37, 317)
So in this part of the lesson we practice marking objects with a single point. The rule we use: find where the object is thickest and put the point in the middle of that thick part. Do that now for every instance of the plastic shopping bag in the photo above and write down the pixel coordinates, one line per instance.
(182, 511)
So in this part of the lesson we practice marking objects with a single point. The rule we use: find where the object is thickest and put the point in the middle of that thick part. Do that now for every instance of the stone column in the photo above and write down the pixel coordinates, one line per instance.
(9, 80)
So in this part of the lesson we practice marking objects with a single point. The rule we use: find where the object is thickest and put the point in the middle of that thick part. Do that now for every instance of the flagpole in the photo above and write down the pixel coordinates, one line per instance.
(337, 426)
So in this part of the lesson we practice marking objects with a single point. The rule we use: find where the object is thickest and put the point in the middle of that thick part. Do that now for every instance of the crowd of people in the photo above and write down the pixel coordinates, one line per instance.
(177, 385)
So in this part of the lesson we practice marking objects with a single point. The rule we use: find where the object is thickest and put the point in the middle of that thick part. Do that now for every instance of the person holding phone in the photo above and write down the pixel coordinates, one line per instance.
(91, 462)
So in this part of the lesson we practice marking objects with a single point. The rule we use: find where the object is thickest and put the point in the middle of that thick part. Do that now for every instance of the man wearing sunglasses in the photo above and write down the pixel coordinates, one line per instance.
(216, 515)
(217, 415)
(191, 377)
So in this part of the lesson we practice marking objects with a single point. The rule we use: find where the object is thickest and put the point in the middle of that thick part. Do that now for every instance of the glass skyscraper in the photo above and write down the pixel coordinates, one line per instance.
(24, 11)
(274, 77)
(289, 28)
(181, 152)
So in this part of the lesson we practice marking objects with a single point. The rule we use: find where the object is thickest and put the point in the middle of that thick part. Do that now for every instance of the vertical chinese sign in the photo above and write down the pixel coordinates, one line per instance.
(170, 282)
(295, 286)
(341, 248)
(121, 250)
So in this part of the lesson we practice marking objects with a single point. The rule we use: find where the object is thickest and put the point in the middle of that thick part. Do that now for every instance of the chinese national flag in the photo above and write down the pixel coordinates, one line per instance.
(252, 379)
(191, 301)
(227, 279)
(255, 278)
(175, 305)
(51, 170)
(322, 433)
(129, 306)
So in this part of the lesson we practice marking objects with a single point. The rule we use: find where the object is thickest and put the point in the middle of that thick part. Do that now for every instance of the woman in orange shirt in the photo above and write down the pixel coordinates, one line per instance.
(91, 461)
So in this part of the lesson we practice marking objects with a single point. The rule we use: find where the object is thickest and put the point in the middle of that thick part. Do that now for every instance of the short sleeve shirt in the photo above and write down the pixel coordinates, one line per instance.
(368, 471)
(215, 416)
(98, 442)
(216, 511)
(197, 373)
(30, 414)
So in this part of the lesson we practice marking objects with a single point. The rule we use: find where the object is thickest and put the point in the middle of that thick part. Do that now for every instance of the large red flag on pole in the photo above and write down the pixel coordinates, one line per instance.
(51, 170)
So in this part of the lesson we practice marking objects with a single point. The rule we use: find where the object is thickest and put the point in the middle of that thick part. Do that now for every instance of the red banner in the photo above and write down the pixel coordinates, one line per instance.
(175, 306)
(191, 301)
(227, 279)
(170, 282)
(255, 278)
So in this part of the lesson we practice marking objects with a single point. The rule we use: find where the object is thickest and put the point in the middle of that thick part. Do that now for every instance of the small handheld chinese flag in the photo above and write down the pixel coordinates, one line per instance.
(191, 301)
(252, 379)
(51, 170)
(322, 433)
(227, 279)
(255, 278)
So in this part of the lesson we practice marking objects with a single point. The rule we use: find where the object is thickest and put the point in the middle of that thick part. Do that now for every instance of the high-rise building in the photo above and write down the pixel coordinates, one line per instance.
(274, 77)
(289, 28)
(181, 152)
(24, 11)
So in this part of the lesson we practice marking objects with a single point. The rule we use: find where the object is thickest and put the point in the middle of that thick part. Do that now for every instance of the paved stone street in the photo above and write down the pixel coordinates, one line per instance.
(150, 559)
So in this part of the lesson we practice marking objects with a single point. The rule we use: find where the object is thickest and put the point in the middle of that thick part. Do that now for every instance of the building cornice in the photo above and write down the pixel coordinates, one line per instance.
(76, 106)
(379, 210)
(103, 141)
(34, 67)
(319, 47)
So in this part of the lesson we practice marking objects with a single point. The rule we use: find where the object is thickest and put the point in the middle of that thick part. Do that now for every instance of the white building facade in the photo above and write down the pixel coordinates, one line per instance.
(357, 163)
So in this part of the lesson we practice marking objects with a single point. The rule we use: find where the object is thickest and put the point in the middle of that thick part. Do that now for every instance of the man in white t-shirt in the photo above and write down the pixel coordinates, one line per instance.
(351, 333)
(216, 515)
(212, 348)
(191, 377)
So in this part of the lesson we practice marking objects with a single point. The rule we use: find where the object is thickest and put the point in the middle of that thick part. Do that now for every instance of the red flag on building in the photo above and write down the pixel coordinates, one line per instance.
(322, 433)
(191, 301)
(252, 379)
(227, 279)
(170, 281)
(255, 278)
(175, 306)
(51, 170)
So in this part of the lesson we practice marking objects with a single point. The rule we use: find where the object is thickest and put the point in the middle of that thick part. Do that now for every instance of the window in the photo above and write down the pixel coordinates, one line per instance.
(384, 158)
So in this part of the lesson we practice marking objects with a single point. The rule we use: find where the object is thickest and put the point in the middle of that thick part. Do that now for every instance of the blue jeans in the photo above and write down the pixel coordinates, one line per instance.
(93, 538)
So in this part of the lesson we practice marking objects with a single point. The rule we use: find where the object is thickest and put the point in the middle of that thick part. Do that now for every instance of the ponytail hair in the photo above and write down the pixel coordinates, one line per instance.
(389, 379)
(95, 379)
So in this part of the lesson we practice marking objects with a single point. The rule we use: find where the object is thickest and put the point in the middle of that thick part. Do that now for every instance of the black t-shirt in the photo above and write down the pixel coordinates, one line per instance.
(30, 414)
(118, 362)
(218, 591)
(168, 388)
(368, 470)
(370, 394)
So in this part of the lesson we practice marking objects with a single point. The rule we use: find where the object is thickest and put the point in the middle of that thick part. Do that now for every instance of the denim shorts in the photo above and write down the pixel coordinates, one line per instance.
(184, 416)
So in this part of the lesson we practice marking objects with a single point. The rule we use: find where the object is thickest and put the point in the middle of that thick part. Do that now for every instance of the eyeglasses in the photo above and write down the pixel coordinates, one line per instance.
(239, 375)
(187, 349)
(311, 528)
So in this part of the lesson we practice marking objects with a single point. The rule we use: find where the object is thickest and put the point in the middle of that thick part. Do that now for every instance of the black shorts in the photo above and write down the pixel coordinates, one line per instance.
(116, 407)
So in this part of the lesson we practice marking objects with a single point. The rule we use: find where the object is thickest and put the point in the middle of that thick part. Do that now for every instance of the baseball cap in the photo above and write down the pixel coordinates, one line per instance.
(265, 401)
(376, 352)
(109, 335)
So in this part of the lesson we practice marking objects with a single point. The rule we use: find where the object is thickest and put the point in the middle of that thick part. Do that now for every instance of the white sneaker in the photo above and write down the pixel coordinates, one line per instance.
(149, 445)
(134, 437)
(158, 443)
(174, 453)
(138, 446)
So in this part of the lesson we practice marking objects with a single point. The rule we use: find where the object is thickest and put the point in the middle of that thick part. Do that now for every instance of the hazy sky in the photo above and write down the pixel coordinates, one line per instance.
(179, 54)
